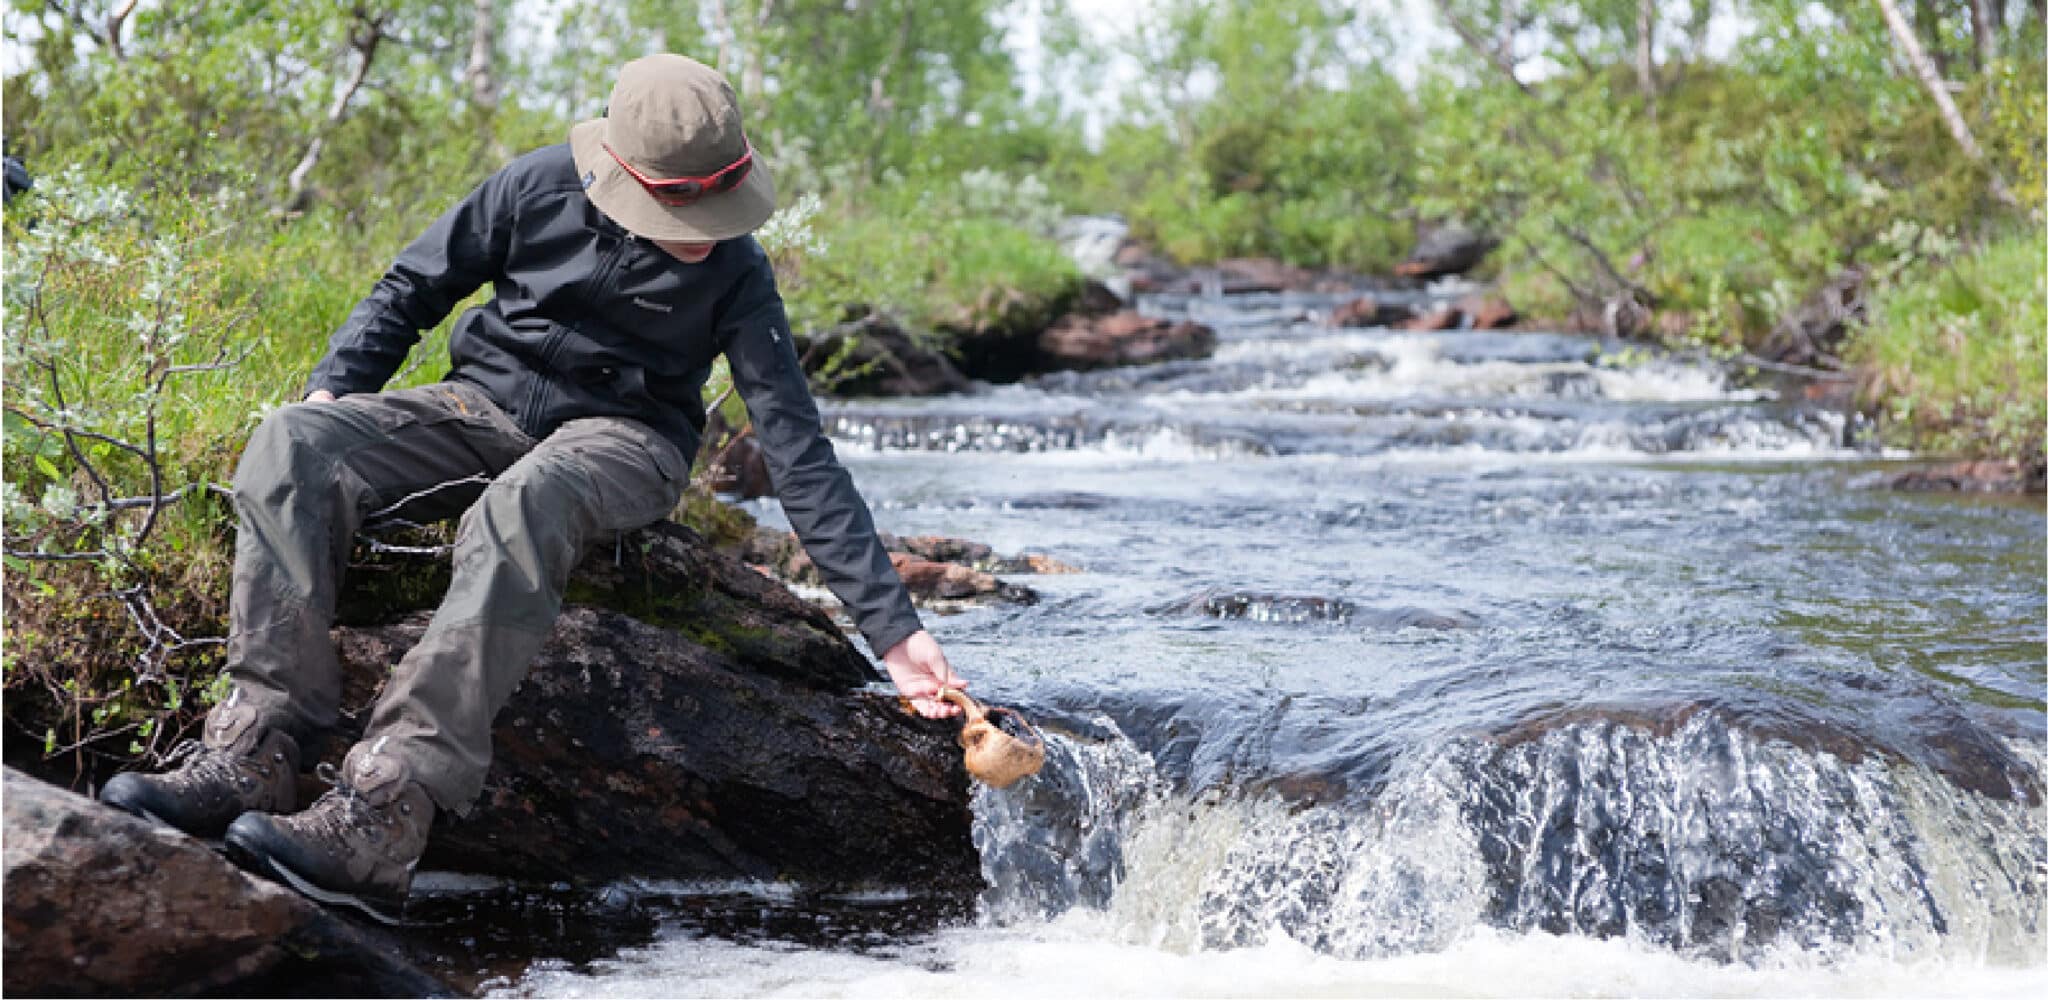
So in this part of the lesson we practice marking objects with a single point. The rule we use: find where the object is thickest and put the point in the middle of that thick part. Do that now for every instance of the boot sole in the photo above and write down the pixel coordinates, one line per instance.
(263, 864)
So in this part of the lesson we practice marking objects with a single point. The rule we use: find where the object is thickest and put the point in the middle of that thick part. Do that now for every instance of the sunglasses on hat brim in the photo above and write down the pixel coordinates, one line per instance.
(679, 191)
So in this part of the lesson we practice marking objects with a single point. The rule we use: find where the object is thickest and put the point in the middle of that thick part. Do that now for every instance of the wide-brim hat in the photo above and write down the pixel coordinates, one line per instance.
(672, 117)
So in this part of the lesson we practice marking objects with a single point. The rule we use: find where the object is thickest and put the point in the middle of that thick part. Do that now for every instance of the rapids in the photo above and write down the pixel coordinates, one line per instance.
(1456, 663)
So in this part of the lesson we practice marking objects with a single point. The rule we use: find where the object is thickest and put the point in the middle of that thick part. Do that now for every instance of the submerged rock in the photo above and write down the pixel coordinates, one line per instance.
(1300, 609)
(100, 903)
(1983, 476)
(1368, 311)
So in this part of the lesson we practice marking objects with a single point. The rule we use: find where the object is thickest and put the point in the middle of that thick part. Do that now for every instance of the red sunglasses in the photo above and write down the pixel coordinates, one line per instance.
(684, 190)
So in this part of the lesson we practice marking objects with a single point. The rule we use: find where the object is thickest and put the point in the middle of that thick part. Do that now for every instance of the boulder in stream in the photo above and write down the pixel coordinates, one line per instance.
(874, 356)
(691, 718)
(1081, 342)
(1445, 249)
(100, 903)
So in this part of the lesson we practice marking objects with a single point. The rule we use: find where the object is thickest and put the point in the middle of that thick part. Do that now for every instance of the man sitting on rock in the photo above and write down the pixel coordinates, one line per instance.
(622, 267)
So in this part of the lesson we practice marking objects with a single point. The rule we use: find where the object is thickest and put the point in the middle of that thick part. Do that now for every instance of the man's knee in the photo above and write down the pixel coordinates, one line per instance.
(283, 450)
(543, 497)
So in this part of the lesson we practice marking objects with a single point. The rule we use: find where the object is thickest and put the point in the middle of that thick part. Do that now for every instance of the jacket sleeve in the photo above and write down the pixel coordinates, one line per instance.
(455, 256)
(817, 492)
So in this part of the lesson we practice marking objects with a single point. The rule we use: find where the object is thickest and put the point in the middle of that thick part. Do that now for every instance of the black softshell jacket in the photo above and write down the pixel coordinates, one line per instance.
(589, 320)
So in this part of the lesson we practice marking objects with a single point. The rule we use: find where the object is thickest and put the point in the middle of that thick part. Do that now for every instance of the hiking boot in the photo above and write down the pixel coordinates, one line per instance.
(239, 764)
(356, 846)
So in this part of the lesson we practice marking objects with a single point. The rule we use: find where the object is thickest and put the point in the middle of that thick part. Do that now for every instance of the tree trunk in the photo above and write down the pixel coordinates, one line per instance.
(1930, 78)
(480, 75)
(1984, 31)
(1646, 53)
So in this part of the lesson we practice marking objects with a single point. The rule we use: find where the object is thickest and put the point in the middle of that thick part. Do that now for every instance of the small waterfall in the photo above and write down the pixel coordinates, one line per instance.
(1705, 841)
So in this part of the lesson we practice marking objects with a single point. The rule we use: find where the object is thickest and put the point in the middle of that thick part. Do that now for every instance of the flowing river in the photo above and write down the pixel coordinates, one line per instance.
(1452, 663)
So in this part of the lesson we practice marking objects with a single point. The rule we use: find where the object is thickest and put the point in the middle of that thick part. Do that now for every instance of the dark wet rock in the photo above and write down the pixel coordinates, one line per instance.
(691, 718)
(874, 356)
(1984, 476)
(1938, 738)
(1812, 333)
(100, 903)
(1097, 299)
(629, 751)
(1297, 609)
(1082, 343)
(1486, 312)
(1445, 249)
(1667, 823)
(1368, 311)
(1261, 607)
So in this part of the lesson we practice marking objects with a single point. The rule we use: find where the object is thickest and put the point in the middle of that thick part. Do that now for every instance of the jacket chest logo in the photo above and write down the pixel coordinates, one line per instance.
(651, 304)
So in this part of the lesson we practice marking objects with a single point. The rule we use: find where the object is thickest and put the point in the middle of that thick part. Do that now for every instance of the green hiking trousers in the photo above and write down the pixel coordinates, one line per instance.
(314, 473)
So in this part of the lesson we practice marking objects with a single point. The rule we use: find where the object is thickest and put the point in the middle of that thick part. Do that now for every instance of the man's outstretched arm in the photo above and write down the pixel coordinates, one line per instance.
(817, 494)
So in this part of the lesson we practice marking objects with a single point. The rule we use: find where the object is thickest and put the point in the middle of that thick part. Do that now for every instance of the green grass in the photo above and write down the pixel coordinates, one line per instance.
(1957, 354)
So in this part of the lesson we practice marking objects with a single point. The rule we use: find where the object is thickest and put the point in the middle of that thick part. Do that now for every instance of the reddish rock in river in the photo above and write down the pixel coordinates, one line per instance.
(1080, 342)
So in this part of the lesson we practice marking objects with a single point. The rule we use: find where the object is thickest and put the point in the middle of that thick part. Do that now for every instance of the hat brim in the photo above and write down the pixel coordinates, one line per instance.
(723, 216)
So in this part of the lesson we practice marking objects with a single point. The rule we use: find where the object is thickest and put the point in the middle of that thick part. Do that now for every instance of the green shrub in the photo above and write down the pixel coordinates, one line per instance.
(1958, 352)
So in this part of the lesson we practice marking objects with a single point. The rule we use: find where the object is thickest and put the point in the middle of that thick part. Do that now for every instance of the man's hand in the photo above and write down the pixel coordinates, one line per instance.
(318, 396)
(920, 671)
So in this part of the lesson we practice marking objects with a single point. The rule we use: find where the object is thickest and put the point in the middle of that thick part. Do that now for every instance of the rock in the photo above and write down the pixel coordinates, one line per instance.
(1444, 318)
(974, 554)
(1983, 476)
(1097, 299)
(879, 358)
(1036, 563)
(935, 568)
(1812, 334)
(1262, 274)
(1367, 311)
(1486, 312)
(930, 579)
(1146, 271)
(1445, 249)
(734, 463)
(631, 750)
(691, 718)
(943, 549)
(1081, 343)
(100, 903)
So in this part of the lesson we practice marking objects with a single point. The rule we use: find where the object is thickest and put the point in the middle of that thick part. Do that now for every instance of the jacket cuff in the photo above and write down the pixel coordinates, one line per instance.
(883, 636)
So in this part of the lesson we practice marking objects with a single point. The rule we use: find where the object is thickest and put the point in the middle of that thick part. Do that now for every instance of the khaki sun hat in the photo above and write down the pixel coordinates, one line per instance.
(669, 160)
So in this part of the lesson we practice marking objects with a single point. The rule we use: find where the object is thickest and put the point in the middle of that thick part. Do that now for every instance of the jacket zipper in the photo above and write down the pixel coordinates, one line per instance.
(604, 279)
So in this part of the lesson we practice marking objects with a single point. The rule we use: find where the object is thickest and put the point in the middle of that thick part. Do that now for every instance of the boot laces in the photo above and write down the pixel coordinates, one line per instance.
(342, 813)
(203, 765)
